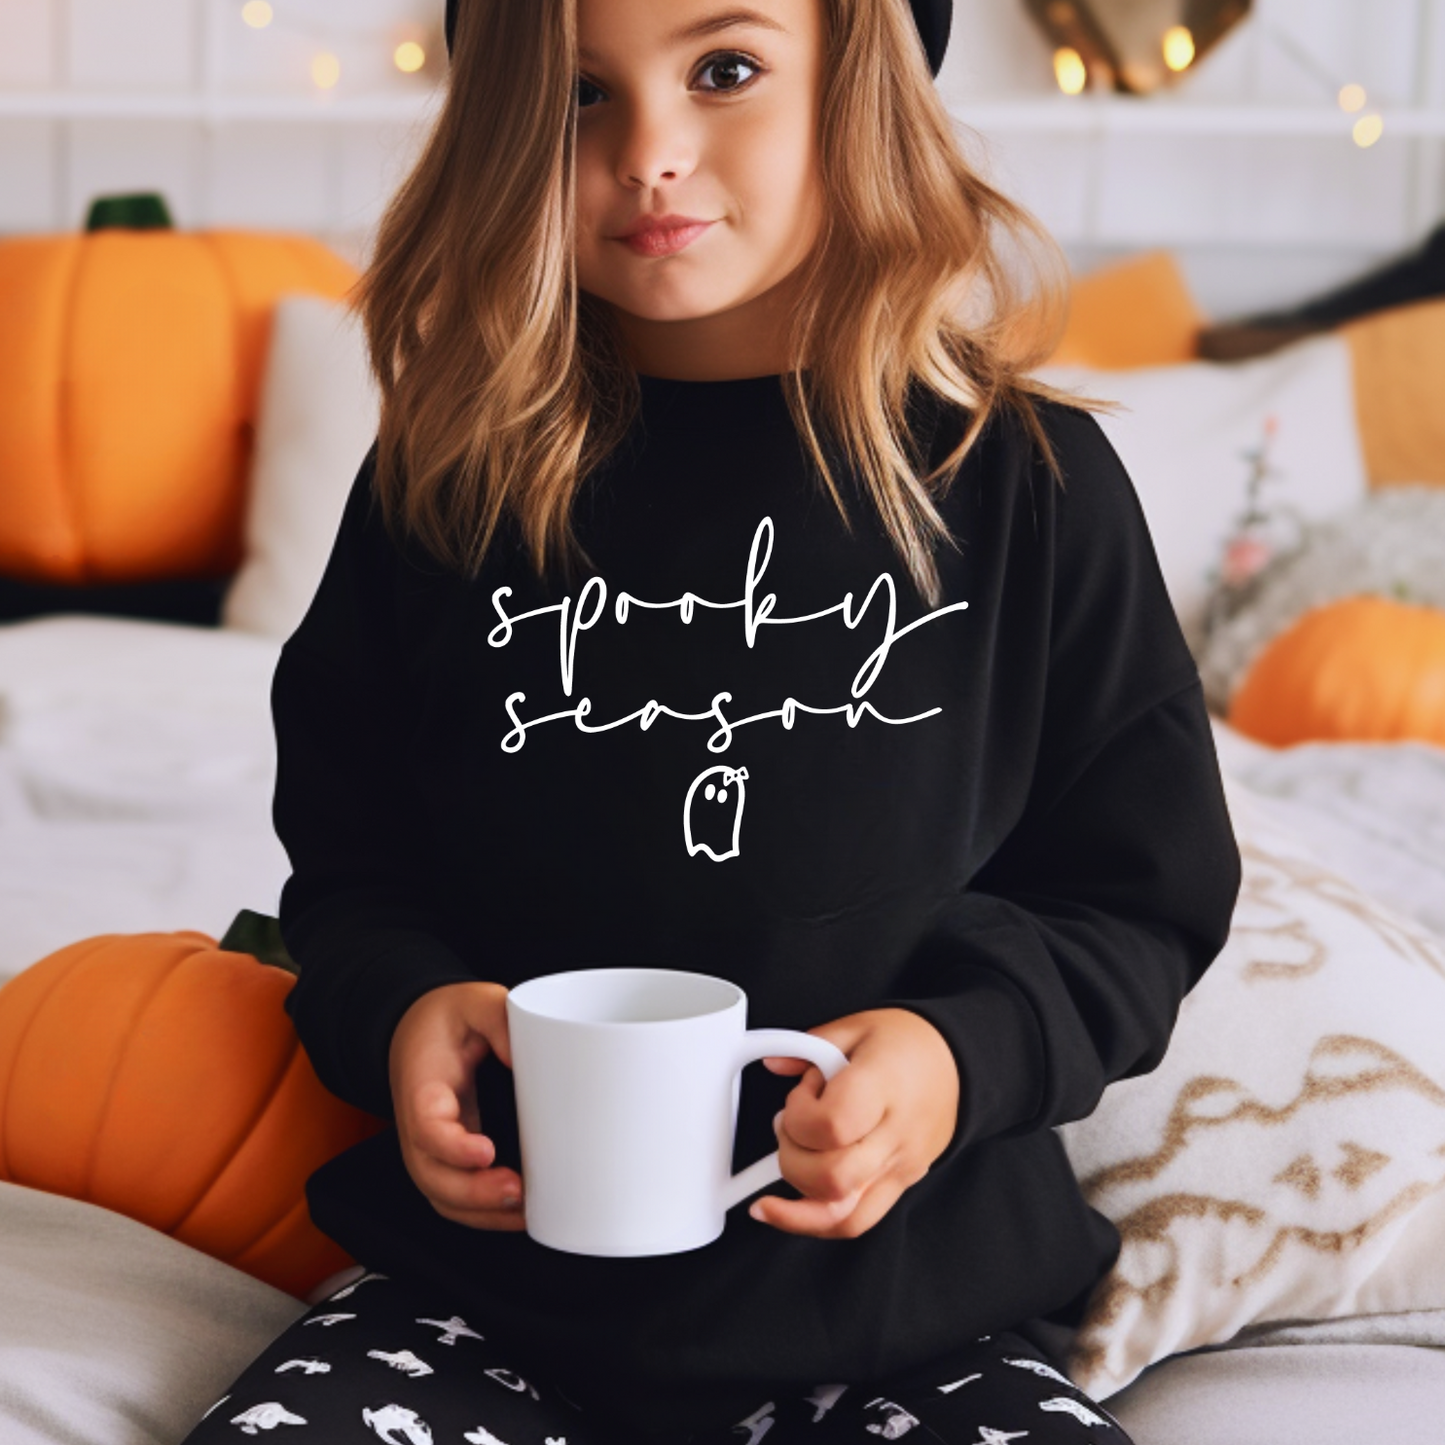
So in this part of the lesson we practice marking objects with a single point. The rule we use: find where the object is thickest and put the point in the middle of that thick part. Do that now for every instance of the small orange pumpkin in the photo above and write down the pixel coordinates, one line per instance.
(1363, 668)
(158, 1075)
(130, 368)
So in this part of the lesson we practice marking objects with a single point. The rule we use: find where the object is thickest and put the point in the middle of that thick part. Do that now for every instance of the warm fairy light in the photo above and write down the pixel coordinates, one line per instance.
(325, 70)
(1070, 70)
(1368, 129)
(257, 14)
(1178, 47)
(1352, 97)
(409, 56)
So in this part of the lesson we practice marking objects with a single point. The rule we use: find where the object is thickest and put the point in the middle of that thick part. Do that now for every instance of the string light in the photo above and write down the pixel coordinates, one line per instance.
(325, 70)
(1368, 129)
(1178, 47)
(407, 55)
(1070, 70)
(1351, 97)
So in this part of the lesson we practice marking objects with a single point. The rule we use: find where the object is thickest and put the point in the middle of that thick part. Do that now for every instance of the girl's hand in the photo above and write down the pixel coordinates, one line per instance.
(852, 1147)
(435, 1051)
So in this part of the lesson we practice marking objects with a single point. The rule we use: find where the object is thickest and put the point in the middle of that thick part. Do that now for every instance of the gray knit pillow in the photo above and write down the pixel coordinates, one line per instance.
(1391, 544)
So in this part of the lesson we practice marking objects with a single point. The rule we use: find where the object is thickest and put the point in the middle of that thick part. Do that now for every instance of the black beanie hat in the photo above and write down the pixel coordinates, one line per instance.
(932, 17)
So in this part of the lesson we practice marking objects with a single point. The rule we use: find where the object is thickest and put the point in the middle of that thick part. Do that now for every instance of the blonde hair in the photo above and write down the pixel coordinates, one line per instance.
(503, 385)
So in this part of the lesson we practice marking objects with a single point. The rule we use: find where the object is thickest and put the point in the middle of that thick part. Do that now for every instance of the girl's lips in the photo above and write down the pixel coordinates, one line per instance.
(663, 242)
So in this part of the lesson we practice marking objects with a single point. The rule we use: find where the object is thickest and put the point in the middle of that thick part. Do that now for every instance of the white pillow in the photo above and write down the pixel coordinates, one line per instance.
(318, 416)
(112, 1331)
(1286, 1160)
(1185, 440)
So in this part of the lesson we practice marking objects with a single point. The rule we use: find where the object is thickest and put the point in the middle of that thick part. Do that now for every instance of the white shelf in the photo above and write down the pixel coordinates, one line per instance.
(186, 105)
(1086, 114)
(1094, 115)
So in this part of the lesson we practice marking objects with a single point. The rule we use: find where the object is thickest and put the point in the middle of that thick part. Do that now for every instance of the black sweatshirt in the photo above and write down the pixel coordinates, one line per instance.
(1003, 813)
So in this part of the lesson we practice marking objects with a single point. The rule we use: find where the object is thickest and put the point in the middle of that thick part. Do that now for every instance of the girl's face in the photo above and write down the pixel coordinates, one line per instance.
(680, 113)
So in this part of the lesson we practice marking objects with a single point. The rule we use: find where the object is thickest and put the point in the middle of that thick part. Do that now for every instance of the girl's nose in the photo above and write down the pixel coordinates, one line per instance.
(654, 148)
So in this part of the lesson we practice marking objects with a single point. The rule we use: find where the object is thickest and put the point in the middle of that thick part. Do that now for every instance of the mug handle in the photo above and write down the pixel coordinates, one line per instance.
(783, 1044)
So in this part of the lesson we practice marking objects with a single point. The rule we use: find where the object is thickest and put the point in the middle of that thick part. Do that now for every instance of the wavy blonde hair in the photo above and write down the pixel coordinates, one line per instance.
(503, 385)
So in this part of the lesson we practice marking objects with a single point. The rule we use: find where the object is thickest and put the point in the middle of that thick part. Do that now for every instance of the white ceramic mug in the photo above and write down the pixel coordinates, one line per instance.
(627, 1083)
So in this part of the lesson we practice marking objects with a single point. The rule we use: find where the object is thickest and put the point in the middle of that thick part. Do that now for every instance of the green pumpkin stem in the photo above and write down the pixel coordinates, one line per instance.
(142, 211)
(260, 936)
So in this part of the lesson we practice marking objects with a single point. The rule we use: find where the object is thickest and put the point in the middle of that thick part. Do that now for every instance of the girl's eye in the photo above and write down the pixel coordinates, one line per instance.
(729, 62)
(726, 64)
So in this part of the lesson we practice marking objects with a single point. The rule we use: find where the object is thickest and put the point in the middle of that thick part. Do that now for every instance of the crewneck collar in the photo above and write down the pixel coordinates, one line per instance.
(672, 383)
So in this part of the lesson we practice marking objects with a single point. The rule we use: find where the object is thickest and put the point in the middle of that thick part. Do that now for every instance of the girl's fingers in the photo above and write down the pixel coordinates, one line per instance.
(823, 1174)
(482, 1008)
(839, 1219)
(837, 1113)
(470, 1190)
(438, 1129)
(501, 1219)
(455, 1147)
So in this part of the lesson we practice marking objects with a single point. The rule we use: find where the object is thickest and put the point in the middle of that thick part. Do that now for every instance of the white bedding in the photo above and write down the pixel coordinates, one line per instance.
(136, 765)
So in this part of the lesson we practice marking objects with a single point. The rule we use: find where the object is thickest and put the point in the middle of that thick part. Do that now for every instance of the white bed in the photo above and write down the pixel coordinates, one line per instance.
(136, 762)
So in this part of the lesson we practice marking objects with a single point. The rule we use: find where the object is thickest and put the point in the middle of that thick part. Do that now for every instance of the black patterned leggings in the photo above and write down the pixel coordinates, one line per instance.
(375, 1361)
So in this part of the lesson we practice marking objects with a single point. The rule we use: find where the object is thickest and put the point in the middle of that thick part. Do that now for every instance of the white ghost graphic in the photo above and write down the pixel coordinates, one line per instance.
(758, 1423)
(1059, 1405)
(899, 1421)
(1039, 1368)
(482, 1436)
(453, 1328)
(997, 1437)
(353, 1286)
(328, 1319)
(415, 1431)
(512, 1381)
(958, 1384)
(719, 810)
(823, 1398)
(266, 1416)
(312, 1367)
(402, 1360)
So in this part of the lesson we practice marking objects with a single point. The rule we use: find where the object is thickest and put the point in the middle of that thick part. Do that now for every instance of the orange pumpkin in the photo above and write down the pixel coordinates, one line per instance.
(130, 366)
(159, 1076)
(1363, 668)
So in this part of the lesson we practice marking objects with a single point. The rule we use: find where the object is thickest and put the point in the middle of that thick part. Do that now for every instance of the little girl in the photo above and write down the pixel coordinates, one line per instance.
(721, 594)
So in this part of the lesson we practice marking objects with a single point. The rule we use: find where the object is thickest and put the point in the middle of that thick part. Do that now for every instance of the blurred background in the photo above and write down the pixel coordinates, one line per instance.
(1303, 146)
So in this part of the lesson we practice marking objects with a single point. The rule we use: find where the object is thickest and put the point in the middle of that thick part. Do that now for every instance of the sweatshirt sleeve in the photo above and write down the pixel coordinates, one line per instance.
(354, 913)
(1062, 963)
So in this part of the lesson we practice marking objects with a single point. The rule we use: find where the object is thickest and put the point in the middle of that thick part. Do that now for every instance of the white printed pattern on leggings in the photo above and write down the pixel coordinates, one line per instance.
(400, 1425)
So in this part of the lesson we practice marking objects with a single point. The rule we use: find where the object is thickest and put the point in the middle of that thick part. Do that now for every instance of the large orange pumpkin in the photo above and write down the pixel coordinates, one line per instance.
(130, 366)
(1364, 668)
(159, 1075)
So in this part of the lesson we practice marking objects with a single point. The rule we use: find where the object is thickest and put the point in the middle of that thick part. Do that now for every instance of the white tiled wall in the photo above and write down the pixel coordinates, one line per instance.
(89, 65)
(1259, 219)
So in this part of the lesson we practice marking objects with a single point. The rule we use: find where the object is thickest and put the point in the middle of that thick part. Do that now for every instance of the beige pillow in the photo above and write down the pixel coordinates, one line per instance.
(113, 1332)
(1399, 364)
(1287, 1158)
(1135, 312)
(318, 417)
